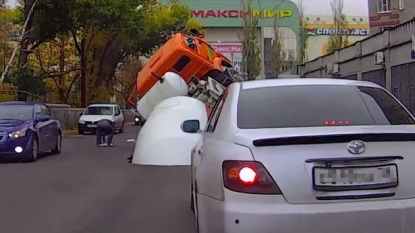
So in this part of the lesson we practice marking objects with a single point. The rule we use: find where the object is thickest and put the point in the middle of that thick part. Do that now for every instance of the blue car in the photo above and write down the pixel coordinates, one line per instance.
(27, 130)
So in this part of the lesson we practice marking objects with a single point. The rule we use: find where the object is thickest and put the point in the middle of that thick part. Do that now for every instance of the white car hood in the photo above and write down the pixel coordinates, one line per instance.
(96, 117)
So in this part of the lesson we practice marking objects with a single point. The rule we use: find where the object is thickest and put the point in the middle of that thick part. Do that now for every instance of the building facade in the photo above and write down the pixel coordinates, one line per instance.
(223, 25)
(385, 14)
(320, 28)
(386, 58)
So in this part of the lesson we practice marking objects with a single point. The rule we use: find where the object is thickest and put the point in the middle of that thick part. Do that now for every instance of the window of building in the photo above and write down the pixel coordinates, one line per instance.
(384, 6)
(401, 4)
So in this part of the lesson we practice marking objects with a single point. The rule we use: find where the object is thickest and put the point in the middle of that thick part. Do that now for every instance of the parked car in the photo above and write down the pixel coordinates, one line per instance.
(26, 130)
(139, 121)
(96, 112)
(305, 155)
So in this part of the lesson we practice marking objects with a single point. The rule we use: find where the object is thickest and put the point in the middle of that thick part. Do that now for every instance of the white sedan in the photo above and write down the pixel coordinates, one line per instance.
(305, 156)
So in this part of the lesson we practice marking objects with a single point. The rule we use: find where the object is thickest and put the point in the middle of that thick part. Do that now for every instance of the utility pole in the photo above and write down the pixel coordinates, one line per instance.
(29, 15)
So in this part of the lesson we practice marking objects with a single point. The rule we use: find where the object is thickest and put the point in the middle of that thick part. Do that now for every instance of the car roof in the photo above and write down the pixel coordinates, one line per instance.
(304, 81)
(29, 103)
(102, 105)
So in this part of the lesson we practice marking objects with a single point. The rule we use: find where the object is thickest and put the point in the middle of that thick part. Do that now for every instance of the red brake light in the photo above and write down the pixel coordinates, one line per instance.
(248, 177)
(338, 122)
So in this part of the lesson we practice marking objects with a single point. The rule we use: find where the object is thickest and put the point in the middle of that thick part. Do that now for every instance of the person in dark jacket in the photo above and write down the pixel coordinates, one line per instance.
(105, 128)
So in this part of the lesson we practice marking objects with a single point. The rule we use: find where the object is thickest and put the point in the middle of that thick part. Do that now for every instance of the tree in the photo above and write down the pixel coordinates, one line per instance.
(106, 32)
(340, 38)
(47, 19)
(277, 53)
(251, 54)
(9, 30)
(126, 76)
(57, 59)
(303, 36)
(28, 83)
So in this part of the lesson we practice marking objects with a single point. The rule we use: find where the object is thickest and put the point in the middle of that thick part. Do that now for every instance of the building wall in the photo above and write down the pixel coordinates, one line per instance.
(229, 38)
(223, 20)
(400, 11)
(397, 73)
(317, 44)
(408, 12)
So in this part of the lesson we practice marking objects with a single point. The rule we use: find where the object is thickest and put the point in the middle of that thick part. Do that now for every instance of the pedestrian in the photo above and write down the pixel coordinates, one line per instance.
(105, 130)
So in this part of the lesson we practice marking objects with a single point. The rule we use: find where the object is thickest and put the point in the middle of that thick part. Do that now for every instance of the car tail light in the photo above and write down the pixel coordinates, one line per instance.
(248, 177)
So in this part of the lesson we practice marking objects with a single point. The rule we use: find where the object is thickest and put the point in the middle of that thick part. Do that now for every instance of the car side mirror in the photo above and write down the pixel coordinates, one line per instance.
(43, 118)
(80, 114)
(191, 126)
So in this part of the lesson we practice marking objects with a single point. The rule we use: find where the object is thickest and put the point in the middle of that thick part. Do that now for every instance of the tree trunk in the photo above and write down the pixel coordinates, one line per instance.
(83, 57)
(61, 80)
(24, 43)
(83, 81)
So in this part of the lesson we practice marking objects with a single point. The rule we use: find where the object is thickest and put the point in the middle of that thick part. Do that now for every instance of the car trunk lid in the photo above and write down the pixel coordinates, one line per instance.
(299, 159)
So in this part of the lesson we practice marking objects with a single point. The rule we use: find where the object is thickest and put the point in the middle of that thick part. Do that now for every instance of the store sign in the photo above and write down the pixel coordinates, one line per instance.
(233, 51)
(228, 47)
(333, 31)
(240, 13)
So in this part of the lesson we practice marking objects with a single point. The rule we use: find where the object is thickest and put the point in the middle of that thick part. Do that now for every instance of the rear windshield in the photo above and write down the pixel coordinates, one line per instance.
(318, 105)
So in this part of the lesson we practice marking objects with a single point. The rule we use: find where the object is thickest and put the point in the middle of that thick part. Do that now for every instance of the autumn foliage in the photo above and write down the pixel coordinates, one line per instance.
(87, 51)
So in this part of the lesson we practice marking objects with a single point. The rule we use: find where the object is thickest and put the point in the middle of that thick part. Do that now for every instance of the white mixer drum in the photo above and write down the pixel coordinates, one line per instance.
(161, 141)
(173, 85)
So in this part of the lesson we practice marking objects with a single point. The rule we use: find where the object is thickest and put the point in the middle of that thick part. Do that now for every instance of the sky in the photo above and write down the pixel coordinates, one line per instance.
(315, 7)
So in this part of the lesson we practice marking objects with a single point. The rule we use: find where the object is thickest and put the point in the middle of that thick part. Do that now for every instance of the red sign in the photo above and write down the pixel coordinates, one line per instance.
(239, 13)
(228, 47)
(216, 13)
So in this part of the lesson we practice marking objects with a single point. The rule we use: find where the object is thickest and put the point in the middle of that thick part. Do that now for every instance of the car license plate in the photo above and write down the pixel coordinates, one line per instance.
(91, 126)
(355, 178)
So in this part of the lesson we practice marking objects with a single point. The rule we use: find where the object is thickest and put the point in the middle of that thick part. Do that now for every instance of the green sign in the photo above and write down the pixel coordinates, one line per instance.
(228, 13)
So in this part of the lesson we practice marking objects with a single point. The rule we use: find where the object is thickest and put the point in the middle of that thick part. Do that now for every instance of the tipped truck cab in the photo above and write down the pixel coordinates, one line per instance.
(305, 155)
(191, 57)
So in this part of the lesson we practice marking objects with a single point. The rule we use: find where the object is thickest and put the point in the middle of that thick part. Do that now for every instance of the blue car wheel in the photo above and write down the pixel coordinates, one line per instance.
(33, 153)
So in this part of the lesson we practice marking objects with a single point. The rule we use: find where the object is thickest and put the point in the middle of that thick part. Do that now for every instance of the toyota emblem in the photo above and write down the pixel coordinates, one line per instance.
(356, 147)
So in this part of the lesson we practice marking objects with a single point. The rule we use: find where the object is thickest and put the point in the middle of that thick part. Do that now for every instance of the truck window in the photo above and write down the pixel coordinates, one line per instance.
(182, 63)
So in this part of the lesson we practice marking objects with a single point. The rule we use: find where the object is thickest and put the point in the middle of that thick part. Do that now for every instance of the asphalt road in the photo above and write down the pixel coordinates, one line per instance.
(87, 189)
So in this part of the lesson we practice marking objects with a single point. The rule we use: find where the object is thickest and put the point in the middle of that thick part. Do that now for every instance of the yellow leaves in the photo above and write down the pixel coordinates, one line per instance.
(127, 76)
(58, 59)
(10, 16)
(98, 94)
(9, 31)
(168, 15)
(7, 92)
(195, 24)
(47, 56)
